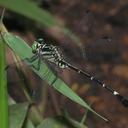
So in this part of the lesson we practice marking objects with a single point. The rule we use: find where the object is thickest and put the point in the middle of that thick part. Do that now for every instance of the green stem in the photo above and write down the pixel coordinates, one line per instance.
(3, 88)
(2, 15)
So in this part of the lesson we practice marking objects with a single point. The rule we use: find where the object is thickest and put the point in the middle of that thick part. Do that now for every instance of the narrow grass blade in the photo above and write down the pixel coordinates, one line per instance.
(3, 88)
(29, 124)
(17, 115)
(72, 121)
(85, 116)
(52, 123)
(60, 122)
(29, 9)
(24, 51)
(56, 122)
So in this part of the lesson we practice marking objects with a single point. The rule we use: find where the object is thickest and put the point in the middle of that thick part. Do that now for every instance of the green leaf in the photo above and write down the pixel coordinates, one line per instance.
(57, 122)
(29, 124)
(60, 122)
(29, 9)
(3, 88)
(75, 123)
(21, 48)
(72, 121)
(18, 114)
(51, 123)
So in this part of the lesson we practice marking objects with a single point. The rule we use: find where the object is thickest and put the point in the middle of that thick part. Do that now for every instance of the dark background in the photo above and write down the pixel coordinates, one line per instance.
(102, 26)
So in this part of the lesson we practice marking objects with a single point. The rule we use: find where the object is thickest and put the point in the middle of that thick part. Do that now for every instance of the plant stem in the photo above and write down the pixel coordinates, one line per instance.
(2, 15)
(3, 88)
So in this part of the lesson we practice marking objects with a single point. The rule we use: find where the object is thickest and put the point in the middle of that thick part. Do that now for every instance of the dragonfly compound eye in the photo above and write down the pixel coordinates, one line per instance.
(34, 48)
(40, 41)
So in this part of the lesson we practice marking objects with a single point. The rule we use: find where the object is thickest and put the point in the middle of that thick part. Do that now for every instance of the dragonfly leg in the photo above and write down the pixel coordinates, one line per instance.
(55, 73)
(39, 64)
(54, 81)
(32, 59)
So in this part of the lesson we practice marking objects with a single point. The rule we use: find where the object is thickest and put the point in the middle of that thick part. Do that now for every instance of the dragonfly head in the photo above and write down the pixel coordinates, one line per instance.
(37, 44)
(40, 41)
(34, 47)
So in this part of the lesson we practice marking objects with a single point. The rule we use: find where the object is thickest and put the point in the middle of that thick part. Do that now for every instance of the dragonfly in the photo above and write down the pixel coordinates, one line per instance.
(51, 53)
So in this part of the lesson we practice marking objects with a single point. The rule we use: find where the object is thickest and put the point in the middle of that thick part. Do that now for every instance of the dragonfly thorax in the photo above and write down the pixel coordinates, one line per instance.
(49, 53)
